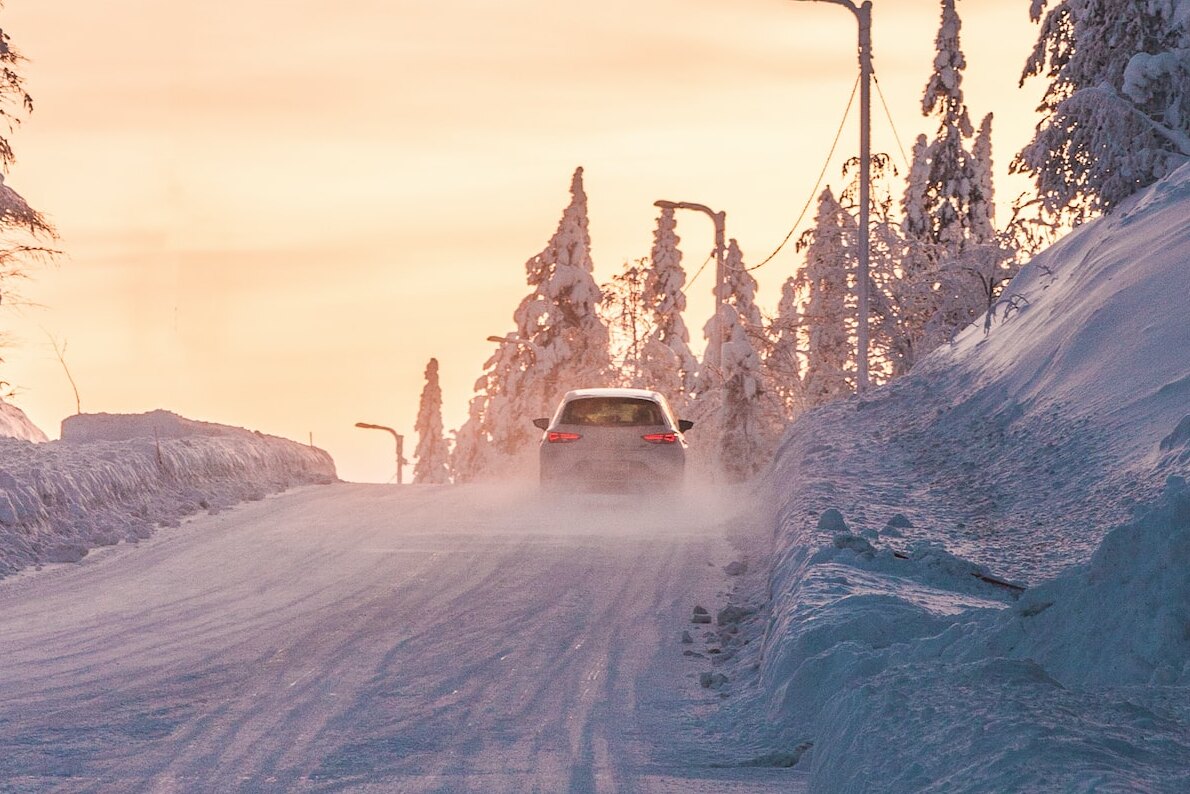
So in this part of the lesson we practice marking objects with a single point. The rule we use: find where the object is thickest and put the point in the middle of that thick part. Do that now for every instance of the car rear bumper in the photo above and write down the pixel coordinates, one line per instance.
(615, 475)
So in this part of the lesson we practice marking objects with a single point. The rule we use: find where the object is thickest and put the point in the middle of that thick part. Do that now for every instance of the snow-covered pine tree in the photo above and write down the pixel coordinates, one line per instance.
(433, 453)
(744, 434)
(560, 343)
(828, 314)
(948, 212)
(16, 216)
(782, 358)
(493, 434)
(675, 373)
(983, 204)
(1117, 107)
(559, 321)
(470, 453)
(949, 184)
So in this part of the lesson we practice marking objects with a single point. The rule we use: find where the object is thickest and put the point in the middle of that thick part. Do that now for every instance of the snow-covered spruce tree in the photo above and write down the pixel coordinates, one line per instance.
(948, 223)
(1117, 107)
(560, 343)
(945, 207)
(828, 315)
(493, 435)
(433, 453)
(20, 224)
(744, 433)
(559, 321)
(673, 373)
(783, 351)
(470, 454)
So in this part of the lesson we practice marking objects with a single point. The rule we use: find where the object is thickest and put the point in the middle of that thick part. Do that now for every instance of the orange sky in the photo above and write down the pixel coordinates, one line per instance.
(274, 213)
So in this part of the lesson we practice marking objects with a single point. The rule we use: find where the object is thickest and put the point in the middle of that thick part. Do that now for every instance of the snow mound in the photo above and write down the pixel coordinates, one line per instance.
(14, 424)
(60, 499)
(1081, 686)
(902, 644)
(1122, 619)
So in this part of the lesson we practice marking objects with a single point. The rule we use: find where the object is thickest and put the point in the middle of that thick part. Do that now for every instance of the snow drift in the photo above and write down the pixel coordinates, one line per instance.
(14, 424)
(116, 478)
(899, 645)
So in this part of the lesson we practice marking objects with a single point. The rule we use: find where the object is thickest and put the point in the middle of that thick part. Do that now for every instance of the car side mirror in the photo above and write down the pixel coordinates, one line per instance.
(684, 425)
(541, 424)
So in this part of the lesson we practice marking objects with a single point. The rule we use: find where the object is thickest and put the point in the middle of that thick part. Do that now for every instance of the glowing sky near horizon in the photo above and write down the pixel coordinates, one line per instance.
(274, 213)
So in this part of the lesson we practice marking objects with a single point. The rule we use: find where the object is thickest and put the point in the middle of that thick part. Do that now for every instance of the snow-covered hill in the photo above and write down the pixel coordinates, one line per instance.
(14, 424)
(115, 478)
(1050, 454)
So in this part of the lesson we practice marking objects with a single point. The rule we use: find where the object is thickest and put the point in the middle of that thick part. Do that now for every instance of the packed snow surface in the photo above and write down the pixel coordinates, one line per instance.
(14, 424)
(381, 638)
(981, 573)
(114, 478)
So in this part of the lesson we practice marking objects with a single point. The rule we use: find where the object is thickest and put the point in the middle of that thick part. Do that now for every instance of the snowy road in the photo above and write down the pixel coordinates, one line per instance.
(354, 637)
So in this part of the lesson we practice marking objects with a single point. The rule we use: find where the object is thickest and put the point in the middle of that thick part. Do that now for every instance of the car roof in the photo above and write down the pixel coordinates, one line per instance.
(640, 394)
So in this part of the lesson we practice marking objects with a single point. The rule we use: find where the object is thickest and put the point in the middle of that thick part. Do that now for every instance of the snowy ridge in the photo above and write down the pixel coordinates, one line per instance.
(899, 644)
(60, 499)
(14, 424)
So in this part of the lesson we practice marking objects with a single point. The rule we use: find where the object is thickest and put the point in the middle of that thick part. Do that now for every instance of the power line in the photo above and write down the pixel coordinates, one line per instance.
(888, 115)
(814, 192)
(698, 273)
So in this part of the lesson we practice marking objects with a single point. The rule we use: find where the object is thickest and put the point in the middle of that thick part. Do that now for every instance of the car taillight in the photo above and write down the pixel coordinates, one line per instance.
(661, 438)
(554, 437)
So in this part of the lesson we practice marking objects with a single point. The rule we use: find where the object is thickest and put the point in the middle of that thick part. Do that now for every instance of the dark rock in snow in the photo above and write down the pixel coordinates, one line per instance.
(898, 521)
(737, 568)
(66, 552)
(831, 520)
(686, 638)
(732, 614)
(700, 615)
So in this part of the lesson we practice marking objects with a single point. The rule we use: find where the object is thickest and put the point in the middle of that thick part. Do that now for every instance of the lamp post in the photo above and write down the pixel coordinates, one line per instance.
(513, 339)
(400, 439)
(863, 15)
(713, 360)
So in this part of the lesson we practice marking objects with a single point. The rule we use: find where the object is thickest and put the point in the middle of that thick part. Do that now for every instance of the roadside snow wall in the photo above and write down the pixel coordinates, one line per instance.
(899, 645)
(110, 480)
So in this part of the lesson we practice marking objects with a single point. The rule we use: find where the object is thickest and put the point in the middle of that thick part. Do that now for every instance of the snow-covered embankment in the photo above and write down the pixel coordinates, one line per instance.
(899, 641)
(115, 478)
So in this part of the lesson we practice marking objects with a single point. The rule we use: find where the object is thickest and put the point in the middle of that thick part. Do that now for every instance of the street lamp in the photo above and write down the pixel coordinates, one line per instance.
(400, 439)
(513, 339)
(863, 15)
(714, 358)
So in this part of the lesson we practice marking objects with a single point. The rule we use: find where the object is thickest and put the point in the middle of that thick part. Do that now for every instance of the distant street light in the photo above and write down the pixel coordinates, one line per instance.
(400, 439)
(513, 339)
(714, 357)
(863, 15)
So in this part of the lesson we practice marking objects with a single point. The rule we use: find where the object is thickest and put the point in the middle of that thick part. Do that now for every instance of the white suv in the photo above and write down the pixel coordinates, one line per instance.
(613, 439)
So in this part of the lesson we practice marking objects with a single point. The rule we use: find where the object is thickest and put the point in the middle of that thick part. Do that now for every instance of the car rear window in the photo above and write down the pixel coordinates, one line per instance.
(612, 412)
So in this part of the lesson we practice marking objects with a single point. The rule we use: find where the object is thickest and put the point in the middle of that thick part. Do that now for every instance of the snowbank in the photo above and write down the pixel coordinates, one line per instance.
(14, 424)
(901, 643)
(111, 479)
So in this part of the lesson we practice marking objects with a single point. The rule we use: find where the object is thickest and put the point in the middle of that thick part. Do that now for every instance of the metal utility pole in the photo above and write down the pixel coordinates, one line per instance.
(400, 439)
(863, 15)
(713, 360)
